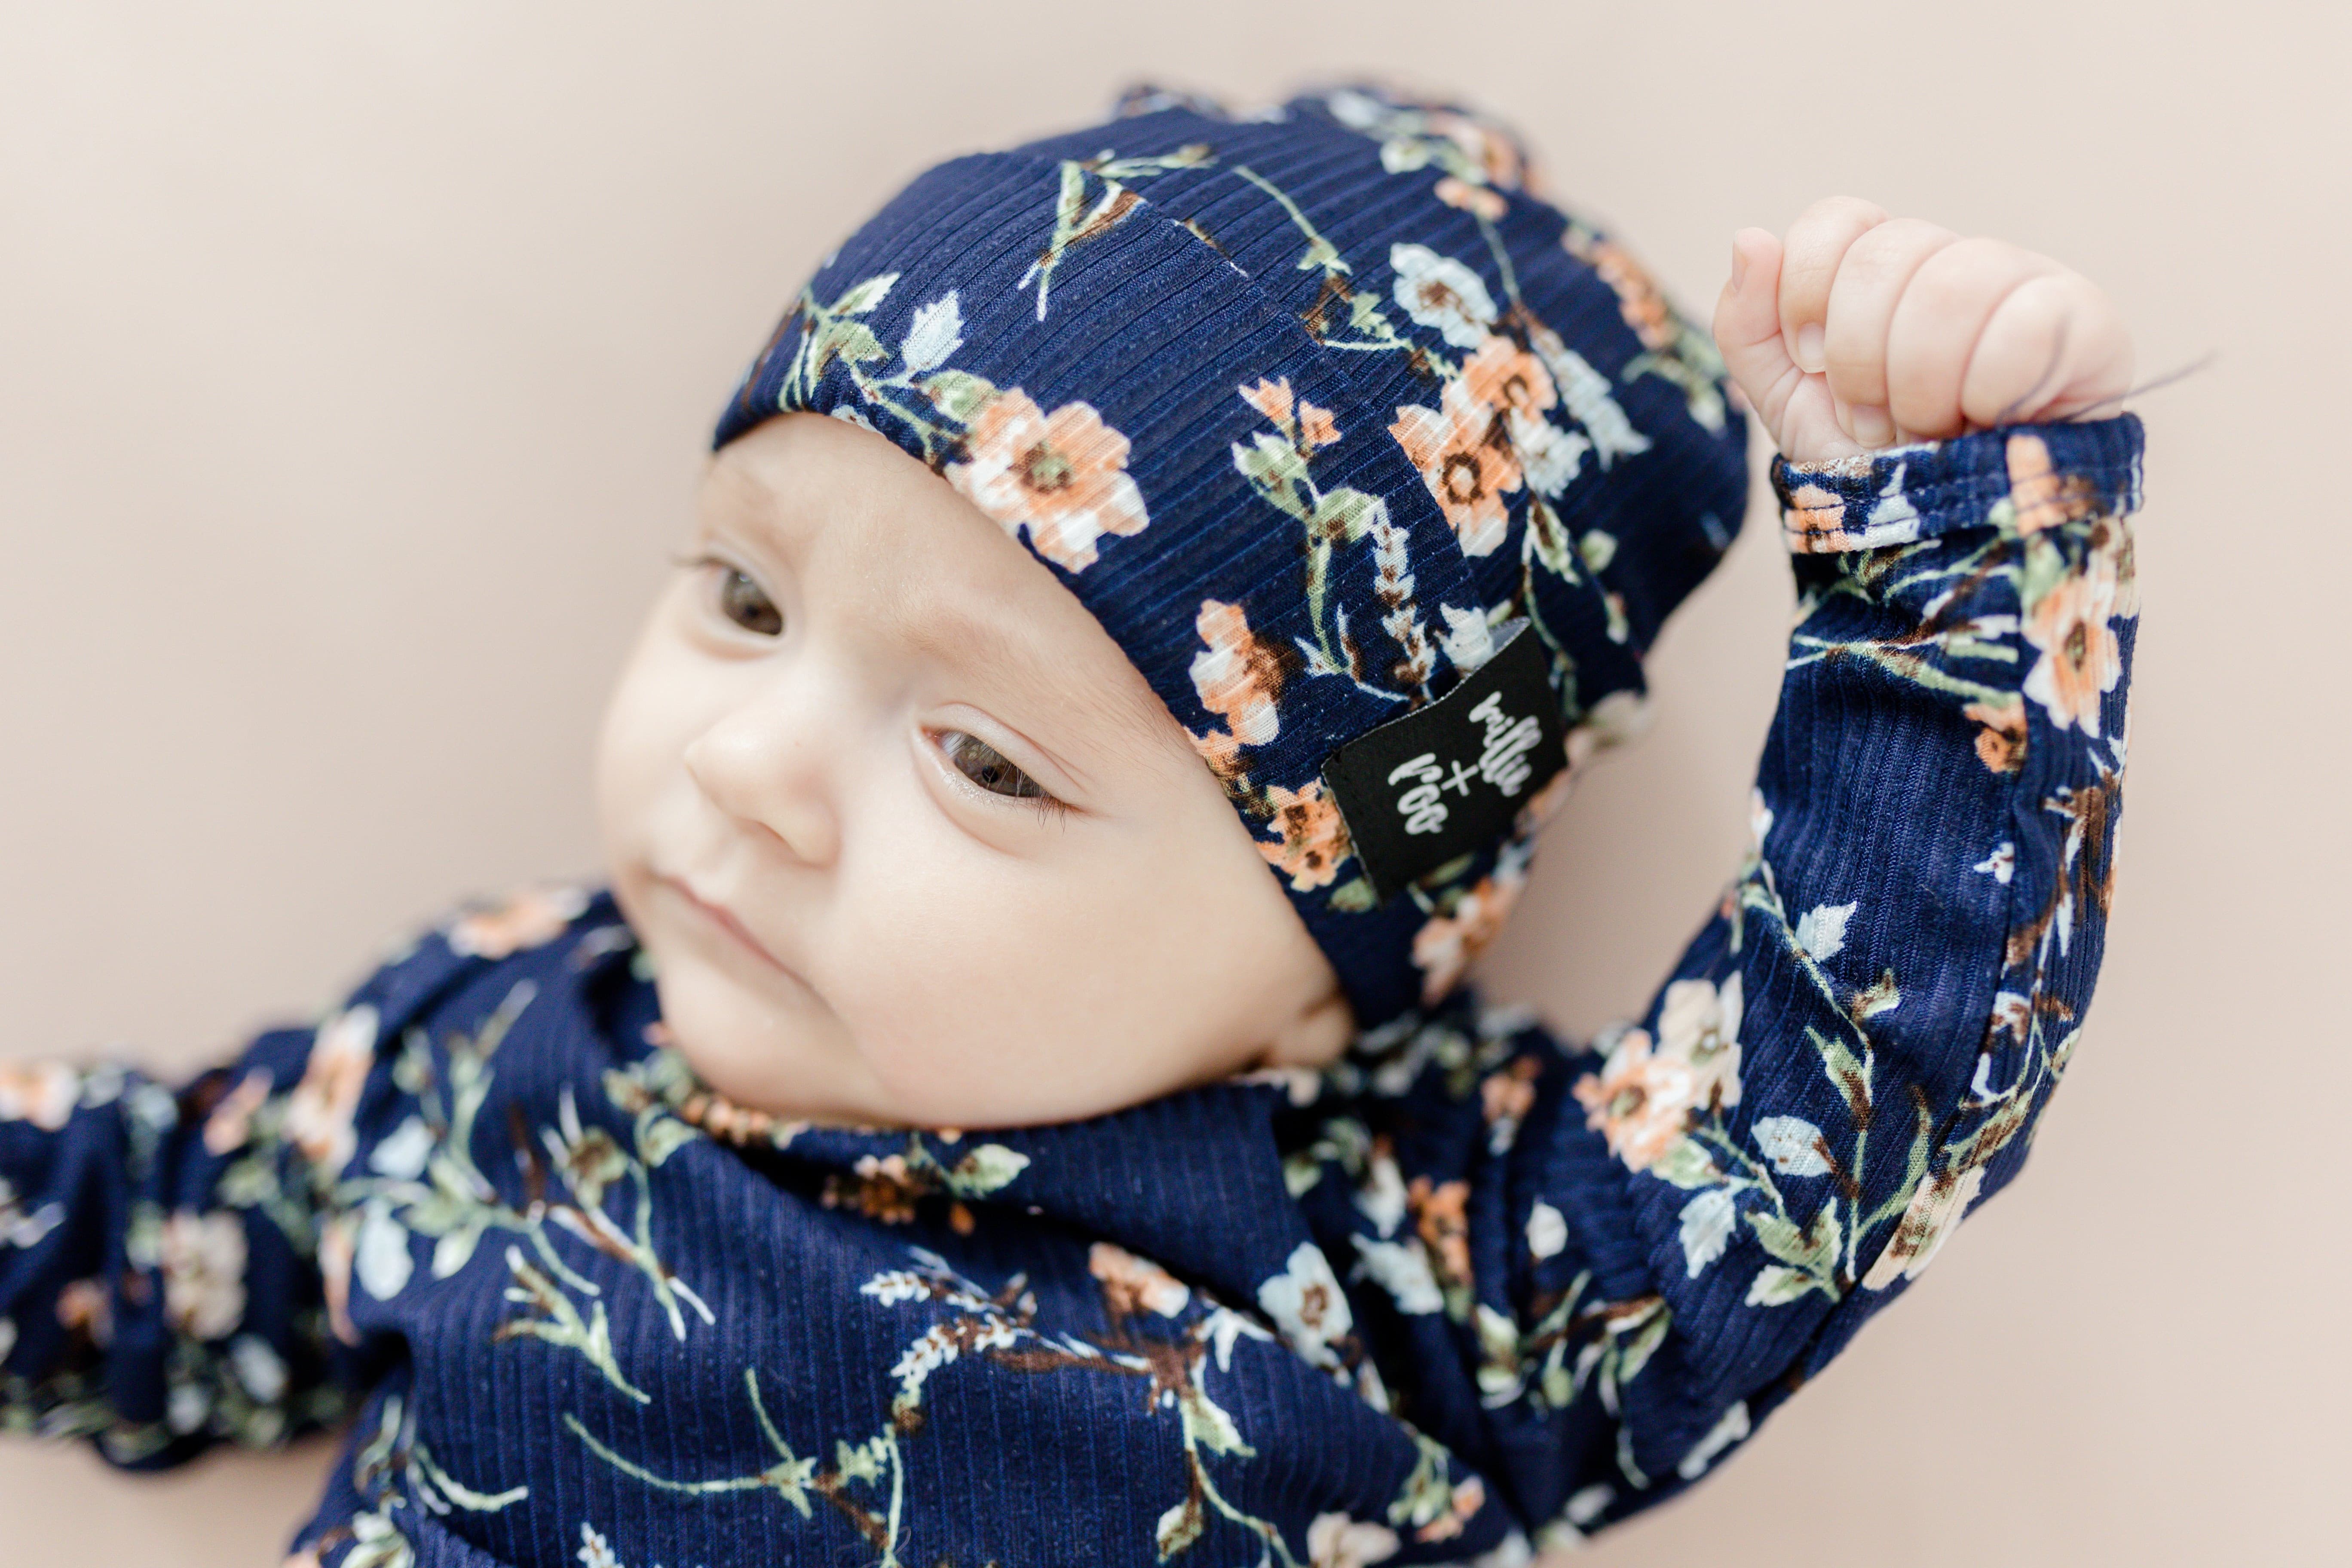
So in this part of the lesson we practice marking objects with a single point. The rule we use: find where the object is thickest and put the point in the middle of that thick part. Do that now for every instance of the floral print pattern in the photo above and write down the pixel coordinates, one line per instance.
(1062, 476)
(1182, 362)
(1471, 1291)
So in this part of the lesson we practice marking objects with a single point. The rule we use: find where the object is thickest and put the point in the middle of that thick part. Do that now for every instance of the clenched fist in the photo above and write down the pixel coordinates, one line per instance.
(1860, 330)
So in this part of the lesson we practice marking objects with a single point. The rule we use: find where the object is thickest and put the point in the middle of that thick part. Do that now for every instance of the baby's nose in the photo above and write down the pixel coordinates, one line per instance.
(768, 765)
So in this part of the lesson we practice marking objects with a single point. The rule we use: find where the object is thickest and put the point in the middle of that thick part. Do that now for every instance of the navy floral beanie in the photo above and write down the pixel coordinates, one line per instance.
(1382, 471)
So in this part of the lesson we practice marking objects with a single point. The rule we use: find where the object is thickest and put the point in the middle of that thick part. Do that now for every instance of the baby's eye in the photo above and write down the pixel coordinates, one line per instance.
(747, 604)
(989, 768)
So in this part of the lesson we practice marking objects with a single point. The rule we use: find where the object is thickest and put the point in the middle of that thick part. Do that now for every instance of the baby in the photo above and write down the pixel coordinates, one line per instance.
(946, 1142)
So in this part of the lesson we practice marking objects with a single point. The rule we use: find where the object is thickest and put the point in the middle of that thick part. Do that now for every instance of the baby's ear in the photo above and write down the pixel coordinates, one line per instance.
(1315, 1038)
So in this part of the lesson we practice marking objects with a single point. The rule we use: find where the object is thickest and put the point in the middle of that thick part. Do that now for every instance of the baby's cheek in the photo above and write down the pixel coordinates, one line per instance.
(976, 1005)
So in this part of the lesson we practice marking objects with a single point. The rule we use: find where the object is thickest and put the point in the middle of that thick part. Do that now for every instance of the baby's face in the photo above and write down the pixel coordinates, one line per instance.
(908, 838)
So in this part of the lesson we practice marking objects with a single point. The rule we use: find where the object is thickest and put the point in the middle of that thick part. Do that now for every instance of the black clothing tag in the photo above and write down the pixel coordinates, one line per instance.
(1448, 778)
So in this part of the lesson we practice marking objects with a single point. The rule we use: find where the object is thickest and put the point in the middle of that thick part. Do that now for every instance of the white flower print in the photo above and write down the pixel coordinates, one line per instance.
(1547, 1231)
(1793, 1145)
(1894, 520)
(1468, 642)
(2001, 865)
(1585, 391)
(1336, 1540)
(1550, 457)
(1402, 1269)
(1734, 1426)
(596, 1551)
(1706, 1227)
(934, 335)
(42, 1093)
(259, 1368)
(1699, 1023)
(203, 1259)
(383, 1261)
(1933, 1211)
(1306, 1304)
(1439, 291)
(404, 1151)
(1820, 930)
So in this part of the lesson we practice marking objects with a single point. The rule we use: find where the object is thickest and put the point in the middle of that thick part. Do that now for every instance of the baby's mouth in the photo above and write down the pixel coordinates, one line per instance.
(724, 920)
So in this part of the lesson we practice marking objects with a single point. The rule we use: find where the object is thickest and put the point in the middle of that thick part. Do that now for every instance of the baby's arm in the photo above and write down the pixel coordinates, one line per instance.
(1642, 1250)
(160, 1279)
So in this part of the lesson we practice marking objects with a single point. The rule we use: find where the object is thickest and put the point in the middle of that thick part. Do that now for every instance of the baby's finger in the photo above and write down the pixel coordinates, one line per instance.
(1877, 268)
(1816, 243)
(1936, 324)
(2056, 348)
(1747, 325)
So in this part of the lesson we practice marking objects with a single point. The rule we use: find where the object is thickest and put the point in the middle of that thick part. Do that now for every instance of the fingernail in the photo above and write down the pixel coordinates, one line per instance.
(1738, 266)
(1871, 425)
(1810, 358)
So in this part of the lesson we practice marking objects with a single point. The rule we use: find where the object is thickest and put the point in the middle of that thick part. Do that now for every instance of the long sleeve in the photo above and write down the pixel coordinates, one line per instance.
(1591, 1273)
(161, 1285)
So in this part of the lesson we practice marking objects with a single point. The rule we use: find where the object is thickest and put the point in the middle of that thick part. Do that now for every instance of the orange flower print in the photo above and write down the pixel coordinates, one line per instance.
(1814, 521)
(883, 1189)
(1272, 399)
(1240, 677)
(1314, 835)
(1507, 1097)
(1489, 149)
(1646, 1091)
(1224, 755)
(1443, 947)
(319, 1111)
(1133, 1285)
(1441, 1218)
(2000, 742)
(1466, 459)
(1639, 299)
(1639, 1101)
(531, 918)
(1062, 476)
(2041, 497)
(338, 1244)
(1507, 379)
(85, 1311)
(1455, 192)
(42, 1093)
(1469, 1497)
(2081, 659)
(231, 1121)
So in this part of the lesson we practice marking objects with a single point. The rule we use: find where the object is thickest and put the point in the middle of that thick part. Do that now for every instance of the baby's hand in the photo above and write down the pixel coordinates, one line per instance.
(1860, 331)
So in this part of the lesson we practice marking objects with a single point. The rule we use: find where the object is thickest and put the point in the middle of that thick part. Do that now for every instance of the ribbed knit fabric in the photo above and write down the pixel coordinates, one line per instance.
(1305, 409)
(1471, 1291)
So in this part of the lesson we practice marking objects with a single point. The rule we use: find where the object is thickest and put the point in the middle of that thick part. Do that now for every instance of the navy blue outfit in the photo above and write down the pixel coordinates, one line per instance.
(1342, 432)
(1473, 1288)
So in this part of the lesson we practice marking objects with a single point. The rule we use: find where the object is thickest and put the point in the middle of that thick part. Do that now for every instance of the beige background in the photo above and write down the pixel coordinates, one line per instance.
(355, 361)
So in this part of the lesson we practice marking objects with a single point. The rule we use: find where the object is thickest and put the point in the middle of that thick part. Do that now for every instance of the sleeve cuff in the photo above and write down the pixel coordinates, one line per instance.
(2022, 476)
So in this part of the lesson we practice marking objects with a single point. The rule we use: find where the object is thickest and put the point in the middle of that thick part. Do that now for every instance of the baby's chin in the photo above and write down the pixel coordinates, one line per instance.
(769, 1049)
